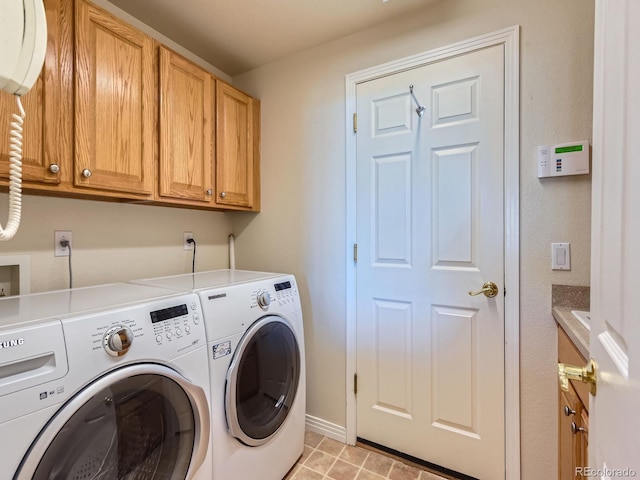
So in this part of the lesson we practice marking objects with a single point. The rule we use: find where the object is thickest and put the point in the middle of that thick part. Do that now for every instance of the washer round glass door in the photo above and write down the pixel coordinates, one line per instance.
(139, 422)
(262, 380)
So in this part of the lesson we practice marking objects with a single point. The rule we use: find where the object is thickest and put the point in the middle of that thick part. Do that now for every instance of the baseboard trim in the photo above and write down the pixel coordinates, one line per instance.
(328, 429)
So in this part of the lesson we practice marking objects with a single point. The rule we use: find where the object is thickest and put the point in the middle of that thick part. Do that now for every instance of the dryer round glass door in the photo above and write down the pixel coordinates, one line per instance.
(132, 423)
(262, 380)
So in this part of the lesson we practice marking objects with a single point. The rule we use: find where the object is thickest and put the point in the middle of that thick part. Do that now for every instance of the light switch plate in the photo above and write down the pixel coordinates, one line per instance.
(561, 256)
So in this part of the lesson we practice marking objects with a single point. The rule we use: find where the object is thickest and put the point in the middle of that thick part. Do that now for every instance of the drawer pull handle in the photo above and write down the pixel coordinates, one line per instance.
(575, 429)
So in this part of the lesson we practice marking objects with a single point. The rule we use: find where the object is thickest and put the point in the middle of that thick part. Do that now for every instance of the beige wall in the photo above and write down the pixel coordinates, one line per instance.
(113, 242)
(302, 226)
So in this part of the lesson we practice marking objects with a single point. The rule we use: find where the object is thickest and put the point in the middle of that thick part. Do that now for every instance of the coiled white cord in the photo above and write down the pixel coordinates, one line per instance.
(15, 176)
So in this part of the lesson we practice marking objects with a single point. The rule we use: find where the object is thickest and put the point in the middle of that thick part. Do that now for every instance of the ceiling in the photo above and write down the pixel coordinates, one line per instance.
(239, 35)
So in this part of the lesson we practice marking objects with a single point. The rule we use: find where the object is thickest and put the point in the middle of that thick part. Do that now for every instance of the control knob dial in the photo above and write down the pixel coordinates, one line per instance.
(117, 340)
(264, 299)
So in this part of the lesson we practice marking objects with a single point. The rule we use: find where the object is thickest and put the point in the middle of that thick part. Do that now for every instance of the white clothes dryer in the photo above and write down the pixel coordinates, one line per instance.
(104, 382)
(256, 355)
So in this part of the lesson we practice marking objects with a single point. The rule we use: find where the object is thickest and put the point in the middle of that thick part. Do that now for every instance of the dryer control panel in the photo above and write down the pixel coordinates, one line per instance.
(230, 309)
(286, 293)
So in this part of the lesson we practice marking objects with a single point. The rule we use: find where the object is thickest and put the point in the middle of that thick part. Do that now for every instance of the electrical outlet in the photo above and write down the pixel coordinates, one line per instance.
(58, 236)
(186, 245)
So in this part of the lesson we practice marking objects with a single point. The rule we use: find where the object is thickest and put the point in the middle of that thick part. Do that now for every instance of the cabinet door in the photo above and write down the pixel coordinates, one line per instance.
(47, 130)
(235, 147)
(583, 440)
(568, 441)
(114, 104)
(186, 129)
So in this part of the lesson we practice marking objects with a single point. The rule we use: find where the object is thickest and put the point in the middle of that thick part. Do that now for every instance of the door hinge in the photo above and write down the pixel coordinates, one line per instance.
(355, 123)
(355, 253)
(355, 383)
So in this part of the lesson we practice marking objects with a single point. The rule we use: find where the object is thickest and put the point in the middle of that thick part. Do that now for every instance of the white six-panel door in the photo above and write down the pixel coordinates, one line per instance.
(614, 414)
(430, 228)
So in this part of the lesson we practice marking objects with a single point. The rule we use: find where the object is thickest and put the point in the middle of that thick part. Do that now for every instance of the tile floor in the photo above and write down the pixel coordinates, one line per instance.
(324, 458)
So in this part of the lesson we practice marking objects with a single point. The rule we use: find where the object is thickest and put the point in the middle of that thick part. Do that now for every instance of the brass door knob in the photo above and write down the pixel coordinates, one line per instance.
(586, 374)
(489, 289)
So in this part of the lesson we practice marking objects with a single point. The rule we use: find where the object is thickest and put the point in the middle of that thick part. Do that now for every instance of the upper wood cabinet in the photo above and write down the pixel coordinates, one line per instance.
(237, 143)
(116, 115)
(47, 136)
(114, 105)
(186, 131)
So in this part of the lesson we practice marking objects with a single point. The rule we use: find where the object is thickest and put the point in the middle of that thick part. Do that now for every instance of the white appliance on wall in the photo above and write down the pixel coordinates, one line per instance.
(23, 36)
(104, 382)
(256, 356)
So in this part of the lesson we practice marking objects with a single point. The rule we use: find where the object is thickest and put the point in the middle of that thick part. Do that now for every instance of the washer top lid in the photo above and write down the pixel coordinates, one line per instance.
(204, 280)
(32, 308)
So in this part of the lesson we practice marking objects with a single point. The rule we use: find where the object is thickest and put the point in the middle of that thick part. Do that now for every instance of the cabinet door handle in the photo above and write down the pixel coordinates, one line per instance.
(54, 168)
(209, 192)
(568, 411)
(223, 194)
(86, 173)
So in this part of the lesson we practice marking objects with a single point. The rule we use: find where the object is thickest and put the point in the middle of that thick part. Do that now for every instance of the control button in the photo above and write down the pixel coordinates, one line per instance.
(264, 299)
(178, 332)
(187, 329)
(196, 318)
(159, 338)
(169, 335)
(194, 305)
(117, 340)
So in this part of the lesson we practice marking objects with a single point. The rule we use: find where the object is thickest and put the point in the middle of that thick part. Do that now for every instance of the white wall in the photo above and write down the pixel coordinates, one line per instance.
(302, 226)
(113, 242)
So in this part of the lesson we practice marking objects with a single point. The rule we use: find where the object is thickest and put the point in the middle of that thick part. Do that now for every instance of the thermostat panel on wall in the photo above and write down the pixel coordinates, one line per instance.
(563, 159)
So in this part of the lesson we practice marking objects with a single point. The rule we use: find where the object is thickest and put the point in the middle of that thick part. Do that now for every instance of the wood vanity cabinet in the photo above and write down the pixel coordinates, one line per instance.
(47, 136)
(186, 131)
(573, 416)
(237, 145)
(114, 99)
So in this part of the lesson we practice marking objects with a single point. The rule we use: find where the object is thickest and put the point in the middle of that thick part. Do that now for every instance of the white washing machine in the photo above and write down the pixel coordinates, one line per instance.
(256, 354)
(102, 383)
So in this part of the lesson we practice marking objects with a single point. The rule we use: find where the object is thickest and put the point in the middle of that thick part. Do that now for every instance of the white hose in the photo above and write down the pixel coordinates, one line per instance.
(232, 252)
(15, 176)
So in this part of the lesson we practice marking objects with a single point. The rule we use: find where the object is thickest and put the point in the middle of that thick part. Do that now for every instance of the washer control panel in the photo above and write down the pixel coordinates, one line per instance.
(174, 323)
(160, 327)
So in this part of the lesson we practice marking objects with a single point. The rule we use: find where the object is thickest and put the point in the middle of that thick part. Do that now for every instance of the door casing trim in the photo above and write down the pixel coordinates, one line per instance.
(510, 39)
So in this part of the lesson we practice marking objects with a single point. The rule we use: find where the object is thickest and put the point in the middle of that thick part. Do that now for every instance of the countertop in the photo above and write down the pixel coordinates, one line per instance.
(578, 334)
